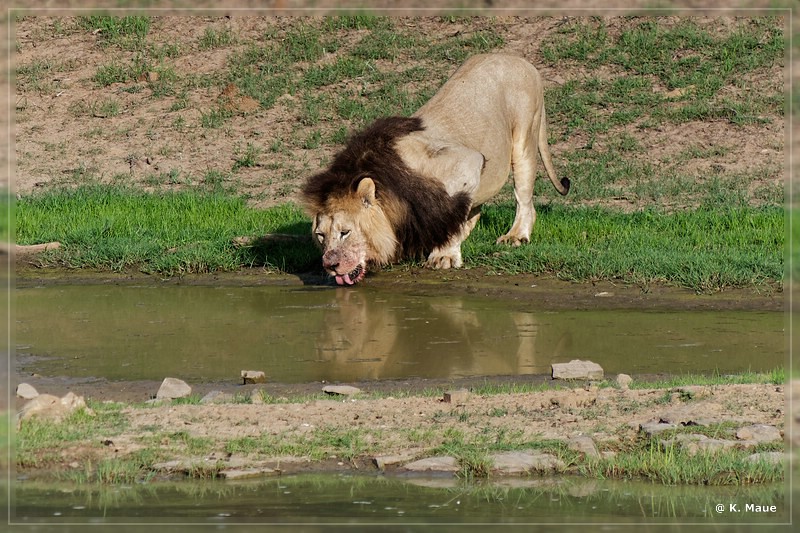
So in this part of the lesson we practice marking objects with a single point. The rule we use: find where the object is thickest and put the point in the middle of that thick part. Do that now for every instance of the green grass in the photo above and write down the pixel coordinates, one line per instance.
(169, 233)
(703, 249)
(321, 443)
(291, 62)
(651, 55)
(124, 32)
(114, 228)
(38, 442)
(672, 465)
(777, 377)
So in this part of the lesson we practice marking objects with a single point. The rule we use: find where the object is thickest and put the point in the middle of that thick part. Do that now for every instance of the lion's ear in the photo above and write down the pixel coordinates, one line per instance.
(366, 191)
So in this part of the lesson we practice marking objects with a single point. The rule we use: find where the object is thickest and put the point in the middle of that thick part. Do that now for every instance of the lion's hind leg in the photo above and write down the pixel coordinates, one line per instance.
(523, 163)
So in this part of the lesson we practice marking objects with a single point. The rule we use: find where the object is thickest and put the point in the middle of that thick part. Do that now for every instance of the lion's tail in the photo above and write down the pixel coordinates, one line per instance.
(561, 186)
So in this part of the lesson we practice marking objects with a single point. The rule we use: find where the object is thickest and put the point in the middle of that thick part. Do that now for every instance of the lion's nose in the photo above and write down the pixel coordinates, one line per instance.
(330, 261)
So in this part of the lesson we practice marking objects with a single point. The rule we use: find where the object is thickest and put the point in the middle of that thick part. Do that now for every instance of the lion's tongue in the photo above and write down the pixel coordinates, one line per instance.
(341, 280)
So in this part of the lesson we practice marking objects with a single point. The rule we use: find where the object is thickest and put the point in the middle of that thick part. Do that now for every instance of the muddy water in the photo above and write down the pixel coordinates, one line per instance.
(354, 499)
(297, 335)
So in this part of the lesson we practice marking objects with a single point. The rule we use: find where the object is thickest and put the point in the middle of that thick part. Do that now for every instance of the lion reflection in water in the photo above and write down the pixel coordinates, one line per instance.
(366, 337)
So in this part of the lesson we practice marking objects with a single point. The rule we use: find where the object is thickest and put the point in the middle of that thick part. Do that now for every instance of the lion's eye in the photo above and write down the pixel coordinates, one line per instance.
(344, 234)
(320, 237)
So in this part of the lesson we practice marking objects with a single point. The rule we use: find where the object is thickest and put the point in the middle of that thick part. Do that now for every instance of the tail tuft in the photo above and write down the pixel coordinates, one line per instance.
(565, 183)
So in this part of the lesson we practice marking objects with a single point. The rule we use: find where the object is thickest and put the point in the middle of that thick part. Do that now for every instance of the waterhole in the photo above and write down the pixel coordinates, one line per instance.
(297, 335)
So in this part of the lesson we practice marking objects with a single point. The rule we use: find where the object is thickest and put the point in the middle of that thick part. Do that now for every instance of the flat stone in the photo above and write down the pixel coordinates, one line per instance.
(624, 381)
(26, 391)
(172, 388)
(382, 461)
(29, 249)
(584, 445)
(169, 466)
(573, 399)
(523, 462)
(759, 433)
(253, 376)
(693, 443)
(459, 396)
(769, 457)
(577, 369)
(656, 427)
(434, 464)
(342, 390)
(216, 396)
(248, 473)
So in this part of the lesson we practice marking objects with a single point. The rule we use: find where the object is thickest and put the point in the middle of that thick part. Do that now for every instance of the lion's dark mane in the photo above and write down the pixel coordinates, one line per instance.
(431, 216)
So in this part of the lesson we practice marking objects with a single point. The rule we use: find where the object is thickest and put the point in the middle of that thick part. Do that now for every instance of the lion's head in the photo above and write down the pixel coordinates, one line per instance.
(353, 231)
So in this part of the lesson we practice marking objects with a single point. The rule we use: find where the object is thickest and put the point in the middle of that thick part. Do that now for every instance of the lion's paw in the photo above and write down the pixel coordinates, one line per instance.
(443, 261)
(512, 240)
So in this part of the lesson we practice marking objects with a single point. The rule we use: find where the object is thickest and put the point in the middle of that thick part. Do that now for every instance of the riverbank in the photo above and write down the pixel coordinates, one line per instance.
(660, 431)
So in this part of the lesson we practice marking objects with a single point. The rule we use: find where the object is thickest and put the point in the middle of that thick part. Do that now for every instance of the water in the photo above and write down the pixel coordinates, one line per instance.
(362, 499)
(299, 335)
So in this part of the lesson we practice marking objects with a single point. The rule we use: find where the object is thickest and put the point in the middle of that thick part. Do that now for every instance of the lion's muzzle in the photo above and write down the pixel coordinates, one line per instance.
(344, 267)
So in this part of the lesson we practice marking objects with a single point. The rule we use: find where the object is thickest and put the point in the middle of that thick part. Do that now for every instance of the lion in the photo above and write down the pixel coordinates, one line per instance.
(412, 187)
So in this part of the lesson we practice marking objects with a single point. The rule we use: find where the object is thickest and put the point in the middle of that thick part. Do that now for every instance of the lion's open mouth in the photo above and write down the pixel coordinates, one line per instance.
(353, 277)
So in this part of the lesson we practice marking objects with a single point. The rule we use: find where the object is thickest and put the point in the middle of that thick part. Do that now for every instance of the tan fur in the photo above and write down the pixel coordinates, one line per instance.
(486, 121)
(353, 230)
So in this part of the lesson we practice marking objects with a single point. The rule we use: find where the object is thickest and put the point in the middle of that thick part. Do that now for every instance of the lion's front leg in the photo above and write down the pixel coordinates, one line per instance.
(449, 255)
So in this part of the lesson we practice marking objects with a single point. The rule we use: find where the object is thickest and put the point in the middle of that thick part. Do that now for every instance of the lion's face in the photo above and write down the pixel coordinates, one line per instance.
(354, 231)
(344, 249)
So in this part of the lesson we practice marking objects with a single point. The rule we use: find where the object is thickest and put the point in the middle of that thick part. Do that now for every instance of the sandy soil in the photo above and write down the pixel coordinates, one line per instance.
(63, 136)
(406, 428)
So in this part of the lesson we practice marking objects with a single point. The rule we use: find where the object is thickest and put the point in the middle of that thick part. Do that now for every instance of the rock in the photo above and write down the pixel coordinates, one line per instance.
(624, 381)
(577, 369)
(584, 445)
(656, 426)
(694, 443)
(51, 407)
(769, 457)
(434, 464)
(382, 461)
(343, 390)
(572, 399)
(72, 402)
(45, 405)
(169, 466)
(456, 396)
(21, 250)
(216, 396)
(522, 463)
(253, 376)
(759, 433)
(248, 473)
(172, 388)
(26, 391)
